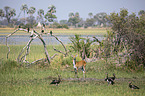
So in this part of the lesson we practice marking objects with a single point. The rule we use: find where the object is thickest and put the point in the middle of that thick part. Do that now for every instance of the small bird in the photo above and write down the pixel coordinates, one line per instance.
(51, 33)
(56, 81)
(42, 31)
(28, 29)
(110, 80)
(19, 26)
(133, 86)
(106, 77)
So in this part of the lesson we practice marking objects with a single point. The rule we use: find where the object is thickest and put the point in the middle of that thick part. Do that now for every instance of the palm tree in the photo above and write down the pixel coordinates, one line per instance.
(91, 15)
(31, 18)
(50, 16)
(71, 15)
(40, 13)
(81, 45)
(77, 14)
(24, 8)
(31, 10)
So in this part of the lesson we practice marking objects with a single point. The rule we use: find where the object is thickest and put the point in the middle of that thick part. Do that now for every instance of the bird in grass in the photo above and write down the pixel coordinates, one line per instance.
(110, 80)
(19, 26)
(133, 86)
(56, 81)
(113, 78)
(42, 31)
(106, 77)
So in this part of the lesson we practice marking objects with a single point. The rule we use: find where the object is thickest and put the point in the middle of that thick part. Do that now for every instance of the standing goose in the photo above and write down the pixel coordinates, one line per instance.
(133, 86)
(106, 77)
(56, 81)
(110, 80)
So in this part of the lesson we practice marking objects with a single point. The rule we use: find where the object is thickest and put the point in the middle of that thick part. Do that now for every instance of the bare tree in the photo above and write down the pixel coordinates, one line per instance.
(34, 34)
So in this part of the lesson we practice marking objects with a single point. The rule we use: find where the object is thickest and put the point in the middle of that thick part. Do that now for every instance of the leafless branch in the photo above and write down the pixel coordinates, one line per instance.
(11, 35)
(54, 55)
(46, 52)
(59, 51)
(62, 45)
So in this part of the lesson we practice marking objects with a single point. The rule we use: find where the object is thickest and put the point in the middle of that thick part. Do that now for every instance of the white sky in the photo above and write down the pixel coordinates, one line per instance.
(64, 7)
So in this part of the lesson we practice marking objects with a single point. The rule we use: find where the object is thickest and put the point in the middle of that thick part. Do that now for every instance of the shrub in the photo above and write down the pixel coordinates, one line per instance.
(133, 66)
(61, 61)
(128, 33)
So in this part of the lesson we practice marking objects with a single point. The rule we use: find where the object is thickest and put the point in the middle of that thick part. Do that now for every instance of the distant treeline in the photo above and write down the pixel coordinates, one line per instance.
(9, 18)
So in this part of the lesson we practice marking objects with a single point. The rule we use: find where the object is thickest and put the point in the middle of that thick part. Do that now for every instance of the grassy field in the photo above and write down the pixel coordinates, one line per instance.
(35, 80)
(16, 80)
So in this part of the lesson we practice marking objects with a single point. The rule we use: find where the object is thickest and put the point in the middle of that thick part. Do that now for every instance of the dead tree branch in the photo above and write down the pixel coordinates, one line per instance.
(33, 35)
(62, 45)
(97, 40)
(53, 56)
(41, 60)
(27, 51)
(28, 45)
(11, 35)
(59, 51)
(46, 52)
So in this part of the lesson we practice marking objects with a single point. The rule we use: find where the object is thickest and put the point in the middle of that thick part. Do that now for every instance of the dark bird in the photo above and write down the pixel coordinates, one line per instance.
(51, 33)
(19, 26)
(43, 25)
(109, 79)
(42, 31)
(106, 77)
(56, 81)
(133, 86)
(28, 29)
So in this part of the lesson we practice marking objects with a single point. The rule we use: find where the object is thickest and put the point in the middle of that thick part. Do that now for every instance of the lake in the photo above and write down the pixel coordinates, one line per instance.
(49, 40)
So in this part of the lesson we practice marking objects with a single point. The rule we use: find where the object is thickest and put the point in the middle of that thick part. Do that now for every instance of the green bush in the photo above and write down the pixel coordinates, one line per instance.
(133, 66)
(65, 26)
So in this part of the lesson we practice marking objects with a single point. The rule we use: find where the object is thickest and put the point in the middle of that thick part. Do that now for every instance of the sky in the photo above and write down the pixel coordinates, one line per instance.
(64, 7)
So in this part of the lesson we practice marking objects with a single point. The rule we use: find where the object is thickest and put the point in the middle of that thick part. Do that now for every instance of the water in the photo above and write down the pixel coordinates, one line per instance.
(49, 40)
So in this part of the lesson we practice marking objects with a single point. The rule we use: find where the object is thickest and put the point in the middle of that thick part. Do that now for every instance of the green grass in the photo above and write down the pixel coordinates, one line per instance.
(35, 82)
(18, 80)
(36, 51)
(99, 31)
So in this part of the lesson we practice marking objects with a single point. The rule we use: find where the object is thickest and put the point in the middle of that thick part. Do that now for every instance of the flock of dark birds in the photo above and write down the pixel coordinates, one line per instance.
(110, 80)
